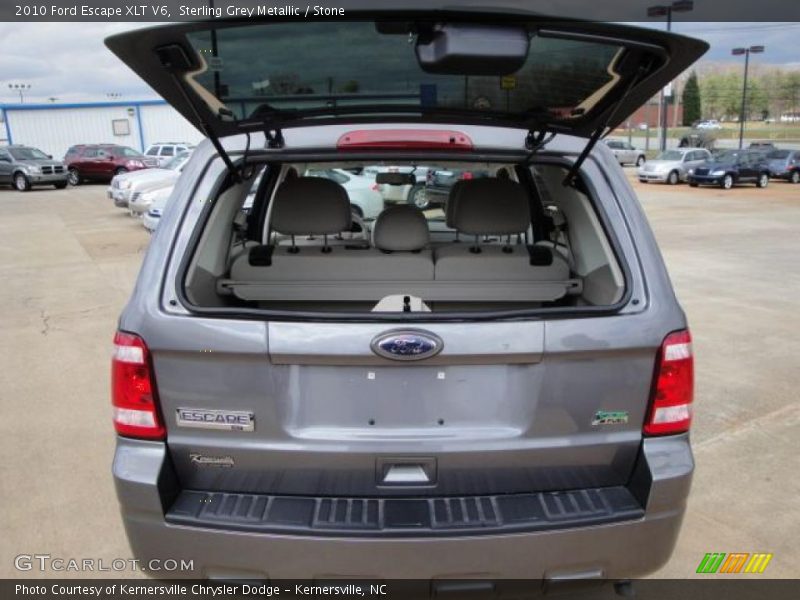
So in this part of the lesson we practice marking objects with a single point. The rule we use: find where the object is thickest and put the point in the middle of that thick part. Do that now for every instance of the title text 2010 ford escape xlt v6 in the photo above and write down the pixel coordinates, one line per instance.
(500, 387)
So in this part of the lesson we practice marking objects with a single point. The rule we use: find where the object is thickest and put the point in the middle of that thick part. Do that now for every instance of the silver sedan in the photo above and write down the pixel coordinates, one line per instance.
(672, 166)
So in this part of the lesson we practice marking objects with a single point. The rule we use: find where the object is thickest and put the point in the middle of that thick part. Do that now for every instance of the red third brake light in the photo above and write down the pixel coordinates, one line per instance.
(673, 387)
(133, 390)
(404, 139)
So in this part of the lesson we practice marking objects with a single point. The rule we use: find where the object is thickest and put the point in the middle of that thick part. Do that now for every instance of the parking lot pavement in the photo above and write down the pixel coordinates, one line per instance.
(68, 260)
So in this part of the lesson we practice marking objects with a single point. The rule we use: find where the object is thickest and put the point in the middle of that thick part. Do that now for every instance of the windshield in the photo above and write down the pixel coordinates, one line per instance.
(258, 70)
(778, 154)
(670, 155)
(725, 156)
(27, 154)
(125, 151)
(177, 162)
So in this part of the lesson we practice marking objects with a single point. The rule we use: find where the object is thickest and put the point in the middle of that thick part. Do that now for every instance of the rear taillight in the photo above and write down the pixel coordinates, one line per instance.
(466, 175)
(133, 390)
(673, 387)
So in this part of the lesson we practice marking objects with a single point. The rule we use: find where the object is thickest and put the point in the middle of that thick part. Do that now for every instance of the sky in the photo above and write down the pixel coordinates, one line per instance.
(69, 62)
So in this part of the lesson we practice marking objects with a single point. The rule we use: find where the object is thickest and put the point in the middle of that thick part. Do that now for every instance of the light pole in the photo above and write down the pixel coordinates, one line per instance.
(666, 10)
(746, 52)
(20, 88)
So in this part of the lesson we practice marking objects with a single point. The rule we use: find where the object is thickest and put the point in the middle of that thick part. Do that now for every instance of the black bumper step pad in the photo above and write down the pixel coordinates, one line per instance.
(393, 517)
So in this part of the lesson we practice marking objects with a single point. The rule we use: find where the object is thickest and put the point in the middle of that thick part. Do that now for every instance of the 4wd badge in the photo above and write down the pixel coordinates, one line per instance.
(201, 418)
(610, 417)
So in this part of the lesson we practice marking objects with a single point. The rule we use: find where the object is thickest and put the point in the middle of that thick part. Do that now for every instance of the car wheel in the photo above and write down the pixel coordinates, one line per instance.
(21, 182)
(762, 181)
(418, 196)
(692, 184)
(643, 181)
(640, 161)
(61, 185)
(673, 178)
(795, 178)
(120, 171)
(73, 177)
(727, 182)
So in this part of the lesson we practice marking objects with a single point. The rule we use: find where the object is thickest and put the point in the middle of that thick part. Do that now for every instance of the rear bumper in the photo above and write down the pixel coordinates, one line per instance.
(147, 488)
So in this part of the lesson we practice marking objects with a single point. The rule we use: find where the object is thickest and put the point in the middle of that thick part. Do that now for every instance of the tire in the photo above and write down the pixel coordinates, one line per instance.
(673, 178)
(692, 184)
(727, 182)
(762, 181)
(120, 171)
(21, 182)
(61, 186)
(643, 181)
(641, 160)
(795, 177)
(418, 196)
(73, 177)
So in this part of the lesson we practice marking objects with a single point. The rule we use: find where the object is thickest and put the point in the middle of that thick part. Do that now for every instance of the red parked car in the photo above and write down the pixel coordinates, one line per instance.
(100, 162)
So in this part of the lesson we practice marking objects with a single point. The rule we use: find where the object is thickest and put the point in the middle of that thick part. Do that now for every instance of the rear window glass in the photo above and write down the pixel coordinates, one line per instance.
(779, 154)
(350, 64)
(124, 151)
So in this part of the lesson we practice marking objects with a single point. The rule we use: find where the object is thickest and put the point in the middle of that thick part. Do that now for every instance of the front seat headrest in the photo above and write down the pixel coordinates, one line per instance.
(311, 206)
(491, 207)
(400, 228)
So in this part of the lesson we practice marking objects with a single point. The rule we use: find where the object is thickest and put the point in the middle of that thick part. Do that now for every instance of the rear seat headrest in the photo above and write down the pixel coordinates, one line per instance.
(311, 206)
(491, 207)
(452, 202)
(400, 228)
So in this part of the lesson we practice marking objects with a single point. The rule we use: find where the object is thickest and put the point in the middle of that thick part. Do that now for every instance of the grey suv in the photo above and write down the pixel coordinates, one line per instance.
(498, 389)
(24, 166)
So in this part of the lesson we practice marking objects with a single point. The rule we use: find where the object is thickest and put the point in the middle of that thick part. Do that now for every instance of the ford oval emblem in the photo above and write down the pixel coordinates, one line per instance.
(407, 344)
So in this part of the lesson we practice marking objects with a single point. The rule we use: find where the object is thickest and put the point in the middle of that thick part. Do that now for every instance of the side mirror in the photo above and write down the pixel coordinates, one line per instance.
(50, 156)
(473, 49)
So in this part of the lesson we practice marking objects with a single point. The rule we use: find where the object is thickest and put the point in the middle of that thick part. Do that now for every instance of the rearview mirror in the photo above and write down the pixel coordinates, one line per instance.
(468, 49)
(395, 178)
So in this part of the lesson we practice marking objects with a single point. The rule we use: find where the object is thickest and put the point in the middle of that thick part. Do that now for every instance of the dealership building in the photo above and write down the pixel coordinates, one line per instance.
(53, 128)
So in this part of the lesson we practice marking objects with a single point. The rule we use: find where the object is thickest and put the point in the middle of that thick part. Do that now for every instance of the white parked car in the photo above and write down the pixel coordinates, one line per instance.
(125, 185)
(164, 152)
(365, 197)
(142, 200)
(152, 217)
(626, 153)
(709, 124)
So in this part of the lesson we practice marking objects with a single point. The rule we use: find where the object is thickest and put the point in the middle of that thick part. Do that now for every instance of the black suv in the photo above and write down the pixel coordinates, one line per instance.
(731, 167)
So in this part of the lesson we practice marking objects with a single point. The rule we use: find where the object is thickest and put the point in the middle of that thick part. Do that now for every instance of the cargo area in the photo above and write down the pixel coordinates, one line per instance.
(329, 237)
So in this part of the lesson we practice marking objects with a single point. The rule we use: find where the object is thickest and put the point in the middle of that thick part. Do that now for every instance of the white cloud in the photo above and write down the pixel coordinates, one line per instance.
(67, 61)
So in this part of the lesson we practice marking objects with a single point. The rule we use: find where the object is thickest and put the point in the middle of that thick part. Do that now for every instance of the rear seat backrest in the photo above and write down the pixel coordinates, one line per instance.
(495, 207)
(305, 207)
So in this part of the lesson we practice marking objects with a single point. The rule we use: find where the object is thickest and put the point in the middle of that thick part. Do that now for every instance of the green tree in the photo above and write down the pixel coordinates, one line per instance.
(691, 100)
